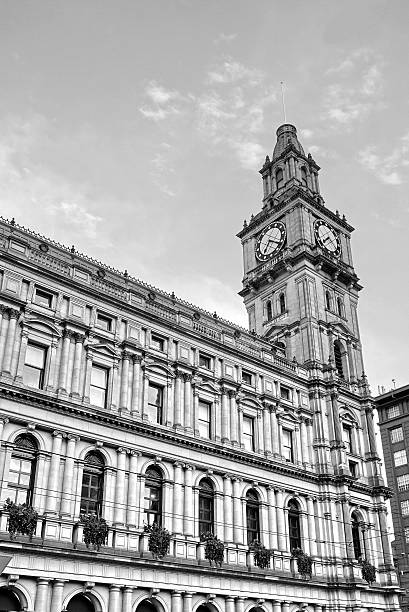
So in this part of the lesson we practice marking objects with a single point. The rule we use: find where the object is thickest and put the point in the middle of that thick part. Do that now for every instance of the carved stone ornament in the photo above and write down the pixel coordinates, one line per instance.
(44, 248)
(101, 273)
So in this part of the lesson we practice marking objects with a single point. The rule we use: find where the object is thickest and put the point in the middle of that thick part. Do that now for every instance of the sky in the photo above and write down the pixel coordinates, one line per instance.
(135, 130)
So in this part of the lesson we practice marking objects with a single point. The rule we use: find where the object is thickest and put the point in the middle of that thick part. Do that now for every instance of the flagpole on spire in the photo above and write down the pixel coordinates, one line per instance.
(283, 100)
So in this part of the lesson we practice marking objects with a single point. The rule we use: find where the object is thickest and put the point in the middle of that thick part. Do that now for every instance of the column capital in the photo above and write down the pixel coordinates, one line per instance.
(189, 467)
(73, 437)
(122, 450)
(115, 587)
(13, 313)
(135, 453)
(126, 355)
(4, 420)
(58, 434)
(44, 581)
(137, 358)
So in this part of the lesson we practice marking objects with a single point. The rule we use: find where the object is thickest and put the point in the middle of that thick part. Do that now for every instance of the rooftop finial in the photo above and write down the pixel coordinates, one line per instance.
(283, 100)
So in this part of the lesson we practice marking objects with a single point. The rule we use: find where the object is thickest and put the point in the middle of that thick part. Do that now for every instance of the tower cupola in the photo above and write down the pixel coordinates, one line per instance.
(289, 166)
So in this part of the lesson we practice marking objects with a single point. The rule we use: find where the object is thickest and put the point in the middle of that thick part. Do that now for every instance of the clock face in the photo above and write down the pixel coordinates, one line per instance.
(327, 237)
(270, 241)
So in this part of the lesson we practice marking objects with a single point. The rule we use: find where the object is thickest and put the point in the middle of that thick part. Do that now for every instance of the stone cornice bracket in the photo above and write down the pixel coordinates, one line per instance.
(98, 444)
(153, 593)
(88, 586)
(210, 597)
(12, 579)
(31, 426)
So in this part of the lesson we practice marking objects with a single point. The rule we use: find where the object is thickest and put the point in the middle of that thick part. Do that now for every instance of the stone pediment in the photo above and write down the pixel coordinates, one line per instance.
(41, 325)
(104, 349)
(160, 369)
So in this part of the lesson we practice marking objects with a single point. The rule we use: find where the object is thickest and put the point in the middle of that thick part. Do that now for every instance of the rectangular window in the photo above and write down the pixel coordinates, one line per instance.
(248, 433)
(155, 403)
(203, 420)
(407, 535)
(347, 437)
(34, 366)
(403, 482)
(393, 412)
(20, 480)
(285, 393)
(157, 342)
(404, 507)
(43, 297)
(396, 434)
(247, 378)
(353, 469)
(205, 361)
(287, 446)
(399, 458)
(99, 386)
(104, 322)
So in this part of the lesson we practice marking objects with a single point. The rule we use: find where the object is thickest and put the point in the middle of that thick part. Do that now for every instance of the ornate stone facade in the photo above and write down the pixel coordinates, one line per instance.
(122, 401)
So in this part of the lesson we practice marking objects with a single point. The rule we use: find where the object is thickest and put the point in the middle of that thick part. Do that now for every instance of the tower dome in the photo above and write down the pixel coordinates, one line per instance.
(287, 135)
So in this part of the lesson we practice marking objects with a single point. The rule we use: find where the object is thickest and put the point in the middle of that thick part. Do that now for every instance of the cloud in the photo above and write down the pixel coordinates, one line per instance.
(250, 154)
(390, 168)
(163, 102)
(358, 89)
(77, 215)
(231, 71)
(306, 133)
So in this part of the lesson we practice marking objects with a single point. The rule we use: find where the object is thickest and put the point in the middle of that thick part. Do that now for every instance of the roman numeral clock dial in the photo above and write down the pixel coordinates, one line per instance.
(270, 241)
(327, 238)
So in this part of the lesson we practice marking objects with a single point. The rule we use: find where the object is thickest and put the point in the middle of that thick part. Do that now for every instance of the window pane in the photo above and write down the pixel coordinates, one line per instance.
(157, 342)
(97, 397)
(405, 507)
(400, 458)
(393, 411)
(403, 482)
(104, 322)
(396, 434)
(98, 377)
(43, 298)
(35, 356)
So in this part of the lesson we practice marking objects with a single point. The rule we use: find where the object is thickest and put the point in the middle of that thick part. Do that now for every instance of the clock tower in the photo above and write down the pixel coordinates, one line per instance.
(299, 287)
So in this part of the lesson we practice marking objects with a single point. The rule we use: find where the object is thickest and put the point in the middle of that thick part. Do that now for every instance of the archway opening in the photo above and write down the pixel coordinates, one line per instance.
(9, 600)
(146, 606)
(80, 603)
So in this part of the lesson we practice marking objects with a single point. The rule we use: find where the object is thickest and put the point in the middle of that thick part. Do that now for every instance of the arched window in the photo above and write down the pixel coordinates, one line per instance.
(9, 600)
(340, 306)
(294, 524)
(281, 301)
(80, 603)
(279, 178)
(338, 358)
(328, 300)
(269, 311)
(356, 536)
(22, 470)
(153, 496)
(92, 489)
(252, 516)
(206, 506)
(304, 180)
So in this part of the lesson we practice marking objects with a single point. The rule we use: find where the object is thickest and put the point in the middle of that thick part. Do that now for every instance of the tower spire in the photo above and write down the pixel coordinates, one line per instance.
(283, 101)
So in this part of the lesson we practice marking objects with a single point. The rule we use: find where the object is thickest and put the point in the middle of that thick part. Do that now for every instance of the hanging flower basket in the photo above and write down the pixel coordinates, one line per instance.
(304, 562)
(22, 519)
(261, 554)
(95, 530)
(159, 540)
(368, 571)
(214, 548)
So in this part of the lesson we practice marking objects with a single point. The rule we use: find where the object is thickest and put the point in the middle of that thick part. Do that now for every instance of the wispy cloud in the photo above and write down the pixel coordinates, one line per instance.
(231, 71)
(357, 90)
(162, 102)
(225, 38)
(391, 168)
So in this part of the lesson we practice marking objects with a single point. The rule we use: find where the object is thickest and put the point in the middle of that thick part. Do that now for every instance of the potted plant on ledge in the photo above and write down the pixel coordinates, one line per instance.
(95, 530)
(159, 540)
(214, 548)
(22, 519)
(261, 554)
(368, 571)
(304, 562)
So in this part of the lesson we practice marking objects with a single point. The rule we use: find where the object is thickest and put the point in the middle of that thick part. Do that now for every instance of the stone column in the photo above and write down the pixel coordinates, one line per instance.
(136, 381)
(187, 602)
(188, 513)
(120, 497)
(267, 430)
(272, 518)
(312, 534)
(127, 599)
(240, 604)
(188, 403)
(52, 371)
(123, 402)
(227, 508)
(178, 398)
(276, 606)
(170, 398)
(114, 385)
(229, 606)
(237, 514)
(282, 540)
(217, 418)
(304, 525)
(274, 433)
(225, 416)
(54, 474)
(133, 493)
(62, 378)
(3, 330)
(22, 356)
(77, 365)
(109, 501)
(371, 430)
(87, 376)
(11, 335)
(114, 595)
(383, 529)
(233, 418)
(178, 499)
(196, 413)
(67, 484)
(176, 601)
(57, 595)
(304, 443)
(41, 595)
(259, 438)
(285, 606)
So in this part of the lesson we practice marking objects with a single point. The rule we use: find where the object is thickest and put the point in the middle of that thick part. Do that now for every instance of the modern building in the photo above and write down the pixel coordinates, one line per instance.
(124, 402)
(393, 411)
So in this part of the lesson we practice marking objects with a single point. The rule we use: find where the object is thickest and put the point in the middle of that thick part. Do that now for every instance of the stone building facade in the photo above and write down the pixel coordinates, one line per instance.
(127, 403)
(393, 411)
